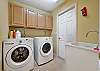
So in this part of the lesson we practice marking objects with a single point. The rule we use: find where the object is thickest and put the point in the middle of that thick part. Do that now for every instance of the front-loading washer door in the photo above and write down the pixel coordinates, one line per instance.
(46, 49)
(18, 56)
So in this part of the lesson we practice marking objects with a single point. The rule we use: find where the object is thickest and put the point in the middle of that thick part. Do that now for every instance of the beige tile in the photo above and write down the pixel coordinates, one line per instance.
(56, 64)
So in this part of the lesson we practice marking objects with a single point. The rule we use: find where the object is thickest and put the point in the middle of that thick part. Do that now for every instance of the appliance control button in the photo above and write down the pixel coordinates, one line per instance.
(20, 41)
(26, 39)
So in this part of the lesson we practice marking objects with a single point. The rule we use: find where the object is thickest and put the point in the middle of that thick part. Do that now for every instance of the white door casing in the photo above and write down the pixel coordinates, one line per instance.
(66, 29)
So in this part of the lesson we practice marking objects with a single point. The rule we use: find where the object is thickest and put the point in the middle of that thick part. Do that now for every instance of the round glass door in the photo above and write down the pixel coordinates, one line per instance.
(46, 49)
(20, 54)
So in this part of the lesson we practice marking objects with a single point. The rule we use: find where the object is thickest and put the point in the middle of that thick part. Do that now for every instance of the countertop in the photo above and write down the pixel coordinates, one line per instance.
(85, 46)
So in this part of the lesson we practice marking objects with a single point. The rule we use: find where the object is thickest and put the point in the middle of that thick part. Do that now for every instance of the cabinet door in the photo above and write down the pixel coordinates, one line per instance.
(18, 16)
(41, 21)
(31, 19)
(81, 59)
(10, 13)
(49, 22)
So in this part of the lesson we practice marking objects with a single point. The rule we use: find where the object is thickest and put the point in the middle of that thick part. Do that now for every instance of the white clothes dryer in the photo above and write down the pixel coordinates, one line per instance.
(18, 54)
(43, 50)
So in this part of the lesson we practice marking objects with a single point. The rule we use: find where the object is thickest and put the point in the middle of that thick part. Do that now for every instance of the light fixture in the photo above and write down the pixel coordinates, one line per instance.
(54, 0)
(51, 1)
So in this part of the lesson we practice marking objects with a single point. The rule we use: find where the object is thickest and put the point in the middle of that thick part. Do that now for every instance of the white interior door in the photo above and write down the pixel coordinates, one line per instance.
(71, 25)
(62, 35)
(66, 30)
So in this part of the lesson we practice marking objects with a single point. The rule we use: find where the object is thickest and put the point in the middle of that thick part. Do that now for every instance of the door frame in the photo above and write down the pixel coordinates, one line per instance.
(67, 9)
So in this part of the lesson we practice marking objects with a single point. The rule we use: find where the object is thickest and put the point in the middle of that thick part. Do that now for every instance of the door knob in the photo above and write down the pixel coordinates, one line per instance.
(59, 38)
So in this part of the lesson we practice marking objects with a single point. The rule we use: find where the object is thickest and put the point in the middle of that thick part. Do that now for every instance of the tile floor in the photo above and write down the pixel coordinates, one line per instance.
(56, 64)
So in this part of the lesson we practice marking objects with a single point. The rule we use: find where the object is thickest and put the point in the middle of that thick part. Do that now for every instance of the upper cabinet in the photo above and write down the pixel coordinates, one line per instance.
(21, 17)
(41, 20)
(31, 19)
(17, 15)
(49, 22)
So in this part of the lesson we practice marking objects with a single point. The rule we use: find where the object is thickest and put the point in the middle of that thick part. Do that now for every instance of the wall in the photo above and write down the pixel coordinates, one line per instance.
(65, 5)
(89, 23)
(3, 25)
(99, 26)
(54, 32)
(30, 32)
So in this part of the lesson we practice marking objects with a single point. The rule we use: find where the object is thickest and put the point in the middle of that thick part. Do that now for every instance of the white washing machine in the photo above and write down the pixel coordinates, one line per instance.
(43, 49)
(18, 54)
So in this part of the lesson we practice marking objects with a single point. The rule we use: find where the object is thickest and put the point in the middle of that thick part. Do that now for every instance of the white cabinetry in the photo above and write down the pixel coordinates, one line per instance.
(79, 59)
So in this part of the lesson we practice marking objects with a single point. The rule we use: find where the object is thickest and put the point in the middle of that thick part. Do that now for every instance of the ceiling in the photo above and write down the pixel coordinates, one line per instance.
(47, 5)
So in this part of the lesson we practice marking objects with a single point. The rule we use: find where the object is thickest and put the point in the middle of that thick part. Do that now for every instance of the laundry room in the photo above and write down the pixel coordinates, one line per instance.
(49, 35)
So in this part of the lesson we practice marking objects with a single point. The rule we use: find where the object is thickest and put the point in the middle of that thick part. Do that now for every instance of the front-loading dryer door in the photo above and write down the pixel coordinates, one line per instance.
(18, 56)
(46, 49)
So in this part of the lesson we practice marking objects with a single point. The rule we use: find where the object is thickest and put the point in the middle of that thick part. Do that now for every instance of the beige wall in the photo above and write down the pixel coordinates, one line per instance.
(65, 5)
(89, 23)
(30, 32)
(54, 31)
(3, 25)
(99, 24)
